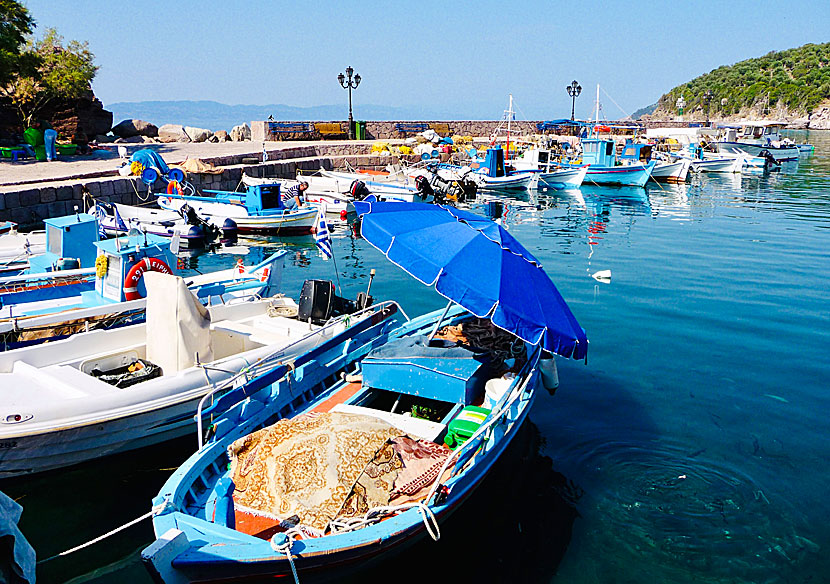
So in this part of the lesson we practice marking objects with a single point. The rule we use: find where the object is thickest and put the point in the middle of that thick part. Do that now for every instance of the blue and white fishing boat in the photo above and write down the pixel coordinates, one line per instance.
(102, 285)
(550, 172)
(257, 209)
(351, 453)
(107, 391)
(673, 171)
(604, 169)
(490, 173)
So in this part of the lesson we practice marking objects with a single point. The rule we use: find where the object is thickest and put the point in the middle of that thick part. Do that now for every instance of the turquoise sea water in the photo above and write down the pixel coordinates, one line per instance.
(690, 448)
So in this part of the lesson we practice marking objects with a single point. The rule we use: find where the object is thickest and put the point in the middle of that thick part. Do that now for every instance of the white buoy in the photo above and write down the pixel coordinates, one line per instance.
(602, 276)
(550, 375)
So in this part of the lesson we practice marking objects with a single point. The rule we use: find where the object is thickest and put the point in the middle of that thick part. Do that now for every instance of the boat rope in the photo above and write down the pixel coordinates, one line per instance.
(281, 542)
(154, 511)
(375, 514)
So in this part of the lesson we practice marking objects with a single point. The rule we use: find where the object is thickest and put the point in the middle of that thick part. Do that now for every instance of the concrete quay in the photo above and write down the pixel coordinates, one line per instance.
(32, 191)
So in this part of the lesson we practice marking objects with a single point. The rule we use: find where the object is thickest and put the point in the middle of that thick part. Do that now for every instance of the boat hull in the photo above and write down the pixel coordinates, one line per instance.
(293, 222)
(671, 172)
(211, 552)
(571, 178)
(632, 176)
(780, 153)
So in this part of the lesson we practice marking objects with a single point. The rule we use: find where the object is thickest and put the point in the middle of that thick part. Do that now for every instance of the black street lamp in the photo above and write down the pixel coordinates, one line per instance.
(707, 99)
(574, 89)
(347, 82)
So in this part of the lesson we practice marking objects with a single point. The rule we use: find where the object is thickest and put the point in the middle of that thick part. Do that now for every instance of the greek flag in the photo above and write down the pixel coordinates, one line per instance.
(322, 236)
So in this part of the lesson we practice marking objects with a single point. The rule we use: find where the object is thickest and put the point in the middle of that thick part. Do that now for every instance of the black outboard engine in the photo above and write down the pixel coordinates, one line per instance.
(425, 189)
(770, 163)
(189, 214)
(230, 231)
(318, 302)
(359, 190)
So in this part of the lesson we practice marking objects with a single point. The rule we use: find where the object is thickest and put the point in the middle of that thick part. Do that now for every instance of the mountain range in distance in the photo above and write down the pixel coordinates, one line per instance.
(215, 116)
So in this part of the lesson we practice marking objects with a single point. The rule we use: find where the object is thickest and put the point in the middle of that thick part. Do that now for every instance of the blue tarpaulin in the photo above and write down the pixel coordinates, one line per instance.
(150, 159)
(477, 264)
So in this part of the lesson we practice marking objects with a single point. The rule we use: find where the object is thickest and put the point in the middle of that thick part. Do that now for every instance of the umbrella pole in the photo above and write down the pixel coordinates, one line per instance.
(438, 324)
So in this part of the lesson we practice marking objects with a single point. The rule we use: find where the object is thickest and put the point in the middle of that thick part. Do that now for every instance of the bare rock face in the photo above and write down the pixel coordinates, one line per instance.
(241, 133)
(128, 128)
(820, 117)
(79, 120)
(105, 139)
(173, 133)
(197, 134)
(221, 136)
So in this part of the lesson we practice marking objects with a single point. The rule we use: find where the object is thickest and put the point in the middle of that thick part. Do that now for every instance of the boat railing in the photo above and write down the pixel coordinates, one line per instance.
(266, 361)
(503, 406)
(54, 275)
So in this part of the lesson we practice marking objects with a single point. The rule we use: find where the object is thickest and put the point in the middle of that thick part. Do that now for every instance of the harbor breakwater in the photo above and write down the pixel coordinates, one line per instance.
(27, 203)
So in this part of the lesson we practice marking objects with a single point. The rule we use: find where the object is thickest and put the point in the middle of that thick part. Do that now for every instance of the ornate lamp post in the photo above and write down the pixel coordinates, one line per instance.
(574, 89)
(681, 103)
(347, 82)
(707, 99)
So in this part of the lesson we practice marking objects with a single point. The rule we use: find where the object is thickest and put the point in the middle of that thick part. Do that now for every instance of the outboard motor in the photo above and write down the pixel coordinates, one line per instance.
(425, 189)
(770, 163)
(359, 190)
(230, 231)
(189, 214)
(318, 302)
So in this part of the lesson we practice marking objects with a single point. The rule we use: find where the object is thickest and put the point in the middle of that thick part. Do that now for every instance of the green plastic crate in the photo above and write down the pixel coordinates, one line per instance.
(66, 149)
(465, 425)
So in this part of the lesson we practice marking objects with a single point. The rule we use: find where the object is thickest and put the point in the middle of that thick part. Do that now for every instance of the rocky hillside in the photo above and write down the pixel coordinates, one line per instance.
(792, 85)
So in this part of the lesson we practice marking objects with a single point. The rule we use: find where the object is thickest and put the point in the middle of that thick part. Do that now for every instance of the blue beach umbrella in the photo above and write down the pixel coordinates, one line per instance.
(477, 264)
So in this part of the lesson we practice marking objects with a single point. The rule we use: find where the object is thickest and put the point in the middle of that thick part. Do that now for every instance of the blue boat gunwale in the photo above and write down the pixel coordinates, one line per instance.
(510, 411)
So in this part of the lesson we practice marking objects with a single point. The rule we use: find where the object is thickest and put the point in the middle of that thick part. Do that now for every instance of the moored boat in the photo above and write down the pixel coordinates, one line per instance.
(755, 137)
(600, 155)
(258, 209)
(193, 231)
(331, 464)
(108, 391)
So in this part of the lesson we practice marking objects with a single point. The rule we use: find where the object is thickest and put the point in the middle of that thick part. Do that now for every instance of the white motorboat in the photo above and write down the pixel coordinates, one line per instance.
(108, 391)
(674, 172)
(193, 231)
(756, 137)
(384, 191)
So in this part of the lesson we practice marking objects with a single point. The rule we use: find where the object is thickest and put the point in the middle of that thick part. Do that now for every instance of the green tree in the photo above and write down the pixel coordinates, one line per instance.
(54, 71)
(15, 24)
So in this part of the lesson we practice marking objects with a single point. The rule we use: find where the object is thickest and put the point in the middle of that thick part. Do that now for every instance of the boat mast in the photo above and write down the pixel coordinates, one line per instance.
(509, 118)
(597, 114)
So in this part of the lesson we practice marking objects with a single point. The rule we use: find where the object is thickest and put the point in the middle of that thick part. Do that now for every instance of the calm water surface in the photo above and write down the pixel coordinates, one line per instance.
(692, 446)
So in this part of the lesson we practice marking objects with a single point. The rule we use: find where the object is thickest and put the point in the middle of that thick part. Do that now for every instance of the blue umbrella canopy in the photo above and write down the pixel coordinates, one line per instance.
(477, 264)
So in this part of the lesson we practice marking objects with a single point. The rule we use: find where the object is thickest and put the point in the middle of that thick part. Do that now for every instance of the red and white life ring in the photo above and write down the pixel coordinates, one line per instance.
(174, 186)
(137, 271)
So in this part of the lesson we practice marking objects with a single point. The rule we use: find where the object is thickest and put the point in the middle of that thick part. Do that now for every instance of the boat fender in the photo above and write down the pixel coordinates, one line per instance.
(101, 265)
(137, 271)
(550, 375)
(174, 186)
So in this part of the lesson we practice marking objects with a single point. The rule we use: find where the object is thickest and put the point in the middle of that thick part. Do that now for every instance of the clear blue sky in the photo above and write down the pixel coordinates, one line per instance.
(467, 55)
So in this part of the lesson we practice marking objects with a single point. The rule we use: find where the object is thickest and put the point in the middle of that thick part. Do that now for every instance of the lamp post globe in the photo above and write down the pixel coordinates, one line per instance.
(349, 81)
(574, 89)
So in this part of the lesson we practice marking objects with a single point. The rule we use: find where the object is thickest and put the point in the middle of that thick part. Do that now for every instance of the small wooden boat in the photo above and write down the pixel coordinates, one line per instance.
(215, 532)
(604, 169)
(258, 209)
(336, 203)
(672, 172)
(108, 391)
(352, 453)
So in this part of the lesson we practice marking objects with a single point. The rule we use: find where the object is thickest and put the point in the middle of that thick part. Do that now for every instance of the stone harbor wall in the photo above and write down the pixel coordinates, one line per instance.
(29, 204)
